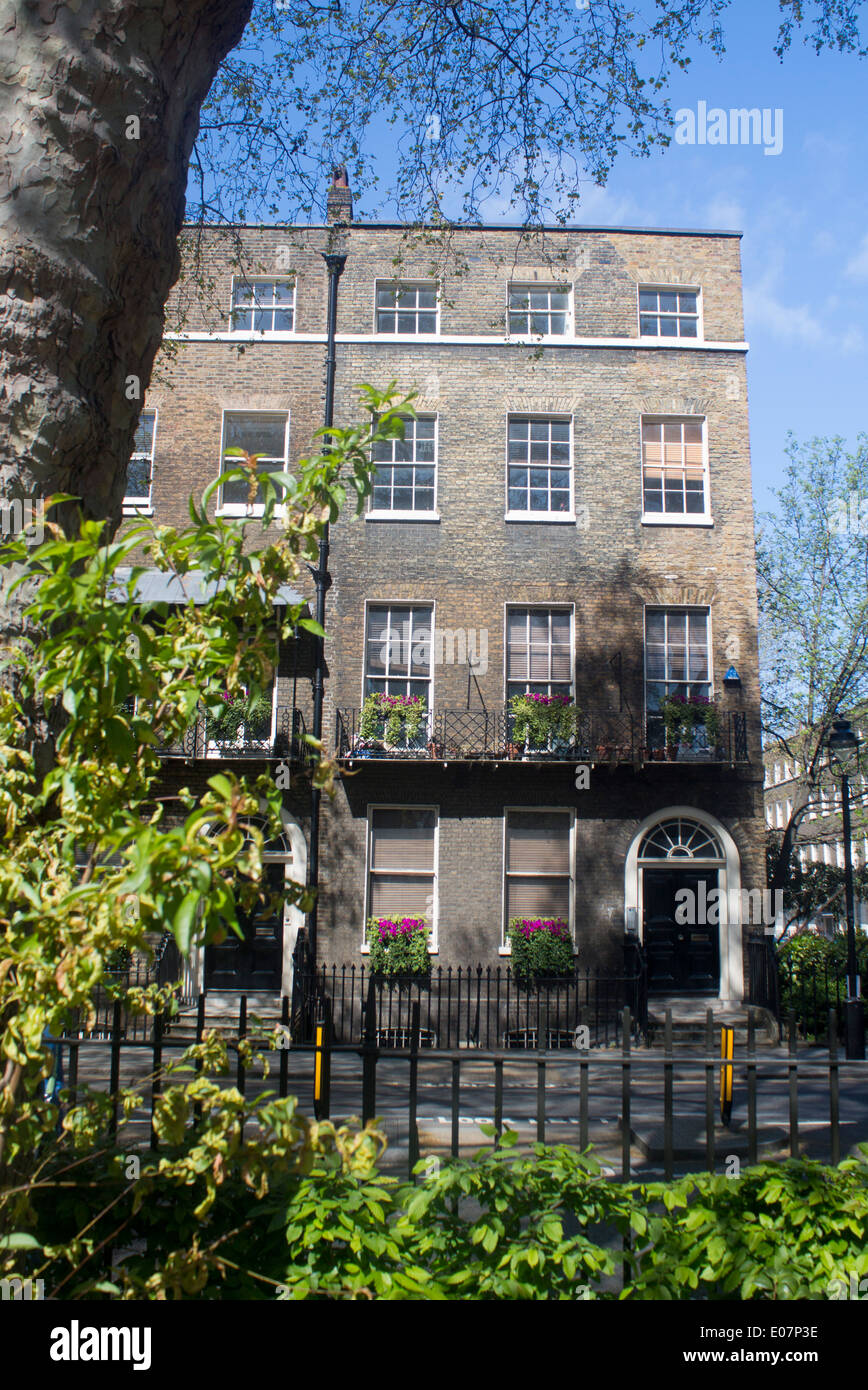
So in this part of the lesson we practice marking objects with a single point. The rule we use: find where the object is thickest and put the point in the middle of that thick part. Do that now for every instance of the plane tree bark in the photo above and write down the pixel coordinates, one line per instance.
(99, 110)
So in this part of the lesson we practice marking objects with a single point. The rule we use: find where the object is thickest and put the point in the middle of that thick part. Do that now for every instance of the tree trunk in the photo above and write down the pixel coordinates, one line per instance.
(99, 109)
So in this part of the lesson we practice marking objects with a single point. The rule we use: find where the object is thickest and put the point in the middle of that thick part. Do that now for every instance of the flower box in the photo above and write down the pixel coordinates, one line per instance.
(542, 723)
(542, 949)
(399, 950)
(691, 720)
(397, 720)
(242, 719)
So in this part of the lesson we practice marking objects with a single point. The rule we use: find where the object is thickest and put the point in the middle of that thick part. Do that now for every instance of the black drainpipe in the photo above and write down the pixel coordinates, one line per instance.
(322, 580)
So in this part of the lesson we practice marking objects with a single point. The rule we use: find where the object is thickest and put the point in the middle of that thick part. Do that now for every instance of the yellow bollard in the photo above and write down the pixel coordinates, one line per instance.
(727, 1048)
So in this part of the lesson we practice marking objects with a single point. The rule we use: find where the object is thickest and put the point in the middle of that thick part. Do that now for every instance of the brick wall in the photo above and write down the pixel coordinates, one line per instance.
(472, 562)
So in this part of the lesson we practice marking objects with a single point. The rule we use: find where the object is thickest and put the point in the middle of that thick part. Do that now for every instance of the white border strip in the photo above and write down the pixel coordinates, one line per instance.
(465, 340)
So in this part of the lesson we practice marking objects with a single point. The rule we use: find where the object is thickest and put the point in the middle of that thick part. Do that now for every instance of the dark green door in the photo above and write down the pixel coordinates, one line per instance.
(254, 962)
(683, 957)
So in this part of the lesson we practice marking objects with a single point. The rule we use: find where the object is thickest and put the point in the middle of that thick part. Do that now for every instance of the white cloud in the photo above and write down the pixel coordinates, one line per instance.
(794, 323)
(763, 309)
(724, 214)
(596, 207)
(853, 341)
(857, 266)
(825, 244)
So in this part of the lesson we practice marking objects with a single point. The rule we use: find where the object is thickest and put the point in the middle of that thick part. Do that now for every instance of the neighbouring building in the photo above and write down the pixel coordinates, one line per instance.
(570, 514)
(819, 837)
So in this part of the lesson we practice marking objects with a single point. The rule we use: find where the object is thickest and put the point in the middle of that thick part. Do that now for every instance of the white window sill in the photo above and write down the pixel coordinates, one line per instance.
(406, 337)
(138, 509)
(549, 518)
(538, 339)
(236, 510)
(676, 519)
(402, 516)
(273, 335)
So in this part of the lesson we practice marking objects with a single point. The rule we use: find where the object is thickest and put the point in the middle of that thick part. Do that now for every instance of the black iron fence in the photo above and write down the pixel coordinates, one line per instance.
(132, 970)
(202, 740)
(599, 736)
(472, 1007)
(659, 1107)
(805, 989)
(809, 990)
(763, 979)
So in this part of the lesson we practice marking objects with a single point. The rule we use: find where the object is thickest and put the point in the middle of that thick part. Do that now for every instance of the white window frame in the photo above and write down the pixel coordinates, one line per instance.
(433, 936)
(143, 506)
(408, 284)
(506, 945)
(547, 518)
(379, 514)
(399, 603)
(276, 334)
(703, 518)
(510, 607)
(677, 608)
(552, 287)
(648, 288)
(248, 508)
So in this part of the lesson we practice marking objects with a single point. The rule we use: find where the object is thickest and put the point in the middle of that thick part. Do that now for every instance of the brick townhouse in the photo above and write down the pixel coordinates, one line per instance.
(569, 515)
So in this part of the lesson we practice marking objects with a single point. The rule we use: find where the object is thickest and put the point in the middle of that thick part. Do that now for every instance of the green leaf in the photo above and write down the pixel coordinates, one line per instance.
(19, 1240)
(185, 920)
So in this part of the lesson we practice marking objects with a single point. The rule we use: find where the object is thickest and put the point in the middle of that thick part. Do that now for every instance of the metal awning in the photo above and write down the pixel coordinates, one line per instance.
(160, 586)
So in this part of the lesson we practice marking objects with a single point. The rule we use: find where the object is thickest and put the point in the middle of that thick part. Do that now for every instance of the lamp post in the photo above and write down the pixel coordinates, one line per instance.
(843, 753)
(335, 262)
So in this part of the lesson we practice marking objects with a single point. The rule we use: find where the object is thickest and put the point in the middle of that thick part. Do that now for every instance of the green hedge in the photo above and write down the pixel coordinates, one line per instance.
(809, 966)
(546, 1225)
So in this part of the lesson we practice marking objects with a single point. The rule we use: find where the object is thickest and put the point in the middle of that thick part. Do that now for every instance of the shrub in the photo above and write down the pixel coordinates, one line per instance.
(540, 947)
(399, 945)
(241, 711)
(791, 1230)
(813, 978)
(391, 716)
(539, 718)
(91, 691)
(683, 713)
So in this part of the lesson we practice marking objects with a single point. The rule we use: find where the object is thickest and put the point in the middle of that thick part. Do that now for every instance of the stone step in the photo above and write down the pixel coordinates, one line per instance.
(689, 1024)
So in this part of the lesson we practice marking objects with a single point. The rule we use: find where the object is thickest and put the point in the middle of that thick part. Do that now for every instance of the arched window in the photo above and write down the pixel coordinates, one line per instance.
(681, 838)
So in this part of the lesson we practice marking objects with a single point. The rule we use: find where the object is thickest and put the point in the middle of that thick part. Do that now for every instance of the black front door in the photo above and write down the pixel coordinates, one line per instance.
(683, 956)
(255, 961)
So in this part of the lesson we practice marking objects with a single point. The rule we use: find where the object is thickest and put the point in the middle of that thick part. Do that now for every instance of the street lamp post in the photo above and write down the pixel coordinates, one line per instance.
(335, 262)
(844, 748)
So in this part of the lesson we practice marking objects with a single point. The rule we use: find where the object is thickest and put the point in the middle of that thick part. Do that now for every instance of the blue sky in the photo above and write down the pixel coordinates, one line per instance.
(804, 215)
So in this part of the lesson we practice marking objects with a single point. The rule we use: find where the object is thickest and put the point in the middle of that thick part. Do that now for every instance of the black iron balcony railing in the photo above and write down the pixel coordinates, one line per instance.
(202, 740)
(598, 736)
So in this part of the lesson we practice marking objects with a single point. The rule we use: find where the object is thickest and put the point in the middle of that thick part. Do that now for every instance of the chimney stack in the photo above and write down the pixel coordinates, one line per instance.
(339, 203)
